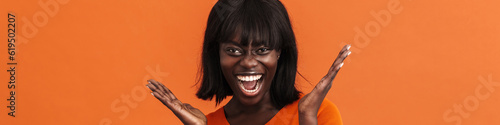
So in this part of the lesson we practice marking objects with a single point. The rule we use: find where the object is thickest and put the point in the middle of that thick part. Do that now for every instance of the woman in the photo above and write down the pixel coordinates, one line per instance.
(249, 53)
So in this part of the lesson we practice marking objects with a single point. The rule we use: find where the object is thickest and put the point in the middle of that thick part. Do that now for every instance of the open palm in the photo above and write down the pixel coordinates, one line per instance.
(310, 103)
(185, 112)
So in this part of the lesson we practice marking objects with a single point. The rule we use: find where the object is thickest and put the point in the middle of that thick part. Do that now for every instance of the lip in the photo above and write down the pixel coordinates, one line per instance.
(248, 73)
(258, 86)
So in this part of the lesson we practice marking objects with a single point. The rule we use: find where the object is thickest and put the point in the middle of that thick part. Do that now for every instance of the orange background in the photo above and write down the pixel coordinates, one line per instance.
(87, 62)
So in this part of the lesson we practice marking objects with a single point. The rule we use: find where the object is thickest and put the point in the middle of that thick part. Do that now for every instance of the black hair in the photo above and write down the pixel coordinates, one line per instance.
(263, 21)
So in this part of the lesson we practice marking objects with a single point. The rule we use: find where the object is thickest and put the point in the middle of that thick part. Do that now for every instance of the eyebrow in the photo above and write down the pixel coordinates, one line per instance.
(238, 44)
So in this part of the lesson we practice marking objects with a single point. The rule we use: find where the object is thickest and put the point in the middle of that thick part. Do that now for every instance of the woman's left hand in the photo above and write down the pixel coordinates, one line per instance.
(310, 103)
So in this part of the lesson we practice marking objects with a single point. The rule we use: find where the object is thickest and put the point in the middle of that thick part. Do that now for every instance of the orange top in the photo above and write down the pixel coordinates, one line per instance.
(328, 114)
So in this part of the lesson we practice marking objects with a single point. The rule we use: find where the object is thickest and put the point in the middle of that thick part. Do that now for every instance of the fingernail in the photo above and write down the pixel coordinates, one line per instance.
(341, 64)
(152, 94)
(148, 87)
(149, 82)
(348, 47)
(349, 53)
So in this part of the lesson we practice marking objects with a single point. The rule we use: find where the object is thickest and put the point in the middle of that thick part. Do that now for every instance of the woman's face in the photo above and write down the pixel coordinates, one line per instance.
(249, 69)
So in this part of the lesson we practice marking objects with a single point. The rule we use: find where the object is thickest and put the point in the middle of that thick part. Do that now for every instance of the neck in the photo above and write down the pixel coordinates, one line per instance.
(235, 107)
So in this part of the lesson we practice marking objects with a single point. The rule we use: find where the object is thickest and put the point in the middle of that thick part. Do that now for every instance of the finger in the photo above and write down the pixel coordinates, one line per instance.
(169, 93)
(336, 67)
(157, 85)
(326, 82)
(155, 89)
(339, 66)
(160, 97)
(166, 92)
(345, 48)
(151, 87)
(164, 89)
(163, 99)
(341, 56)
(338, 62)
(172, 103)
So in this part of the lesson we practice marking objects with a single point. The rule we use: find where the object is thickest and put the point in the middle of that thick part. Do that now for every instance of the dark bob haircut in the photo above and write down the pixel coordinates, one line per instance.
(263, 21)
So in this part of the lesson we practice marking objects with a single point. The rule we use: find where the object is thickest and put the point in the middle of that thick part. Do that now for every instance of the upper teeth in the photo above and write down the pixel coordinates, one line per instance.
(249, 78)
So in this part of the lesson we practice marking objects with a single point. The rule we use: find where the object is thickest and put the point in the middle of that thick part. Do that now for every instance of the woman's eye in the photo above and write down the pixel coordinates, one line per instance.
(233, 51)
(263, 50)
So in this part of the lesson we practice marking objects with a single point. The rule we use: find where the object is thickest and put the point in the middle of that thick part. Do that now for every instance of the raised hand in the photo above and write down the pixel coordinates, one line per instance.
(185, 112)
(310, 103)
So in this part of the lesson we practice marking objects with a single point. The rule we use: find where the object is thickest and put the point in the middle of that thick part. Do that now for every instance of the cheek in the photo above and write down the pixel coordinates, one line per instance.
(227, 62)
(270, 61)
(271, 64)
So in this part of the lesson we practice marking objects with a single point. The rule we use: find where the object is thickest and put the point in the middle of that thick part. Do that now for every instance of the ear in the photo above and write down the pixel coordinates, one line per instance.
(278, 53)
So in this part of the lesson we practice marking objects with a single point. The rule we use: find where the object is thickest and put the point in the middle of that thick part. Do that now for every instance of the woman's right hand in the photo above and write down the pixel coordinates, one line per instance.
(185, 112)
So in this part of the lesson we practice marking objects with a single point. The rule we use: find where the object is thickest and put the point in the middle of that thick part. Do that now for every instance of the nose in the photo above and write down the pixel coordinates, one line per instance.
(249, 61)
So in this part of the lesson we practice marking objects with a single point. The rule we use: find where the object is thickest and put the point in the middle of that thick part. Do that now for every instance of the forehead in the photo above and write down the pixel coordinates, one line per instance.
(249, 42)
(247, 38)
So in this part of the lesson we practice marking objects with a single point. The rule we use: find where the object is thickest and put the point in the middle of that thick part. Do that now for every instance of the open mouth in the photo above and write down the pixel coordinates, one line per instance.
(250, 84)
